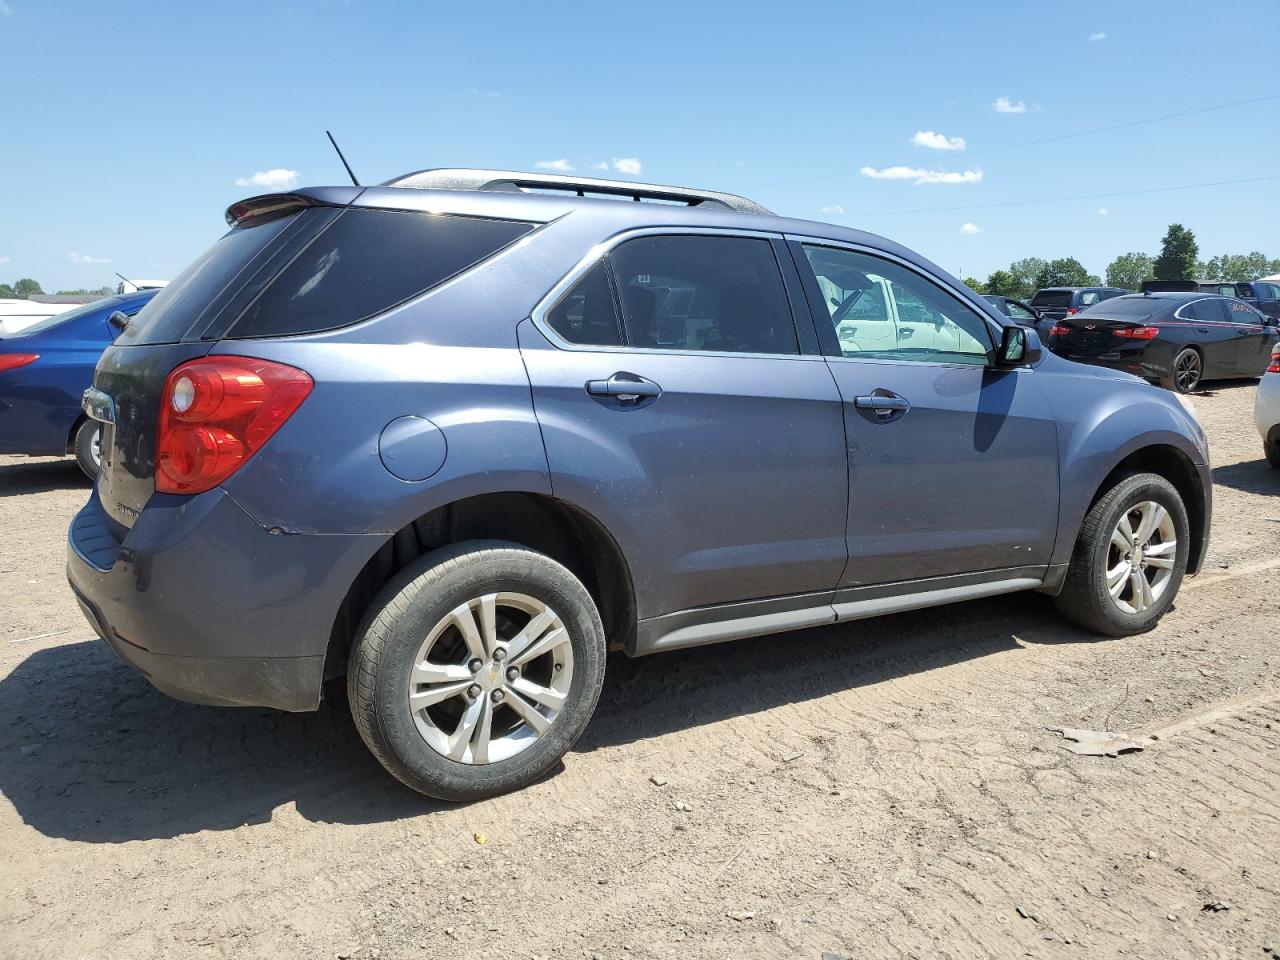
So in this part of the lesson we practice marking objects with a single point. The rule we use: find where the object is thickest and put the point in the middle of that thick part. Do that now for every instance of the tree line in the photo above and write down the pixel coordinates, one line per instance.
(25, 288)
(1178, 259)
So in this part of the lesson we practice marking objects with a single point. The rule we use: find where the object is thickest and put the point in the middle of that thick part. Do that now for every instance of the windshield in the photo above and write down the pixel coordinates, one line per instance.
(58, 319)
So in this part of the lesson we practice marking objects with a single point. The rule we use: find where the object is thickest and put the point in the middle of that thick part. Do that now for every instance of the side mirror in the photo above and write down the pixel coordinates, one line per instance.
(1019, 347)
(119, 319)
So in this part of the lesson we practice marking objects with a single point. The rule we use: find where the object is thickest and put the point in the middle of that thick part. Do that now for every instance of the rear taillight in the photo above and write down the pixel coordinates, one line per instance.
(1136, 333)
(12, 361)
(1275, 360)
(1072, 311)
(216, 413)
(1059, 330)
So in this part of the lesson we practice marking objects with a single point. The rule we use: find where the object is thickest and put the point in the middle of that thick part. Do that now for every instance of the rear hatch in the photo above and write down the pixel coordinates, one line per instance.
(292, 264)
(182, 323)
(1054, 304)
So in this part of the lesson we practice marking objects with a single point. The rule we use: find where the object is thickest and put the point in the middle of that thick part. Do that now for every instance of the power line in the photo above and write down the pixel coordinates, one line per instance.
(1054, 139)
(1082, 196)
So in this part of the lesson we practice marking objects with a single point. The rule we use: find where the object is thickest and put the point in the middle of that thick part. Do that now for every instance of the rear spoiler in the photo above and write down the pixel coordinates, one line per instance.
(275, 204)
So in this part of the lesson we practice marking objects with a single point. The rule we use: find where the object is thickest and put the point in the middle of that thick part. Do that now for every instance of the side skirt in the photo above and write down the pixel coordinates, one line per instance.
(706, 625)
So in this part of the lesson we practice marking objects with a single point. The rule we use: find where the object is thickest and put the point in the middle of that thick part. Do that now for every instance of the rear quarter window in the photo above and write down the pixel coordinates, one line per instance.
(368, 261)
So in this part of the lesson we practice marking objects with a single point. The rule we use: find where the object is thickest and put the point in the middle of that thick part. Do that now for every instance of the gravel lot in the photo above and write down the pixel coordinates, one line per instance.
(886, 788)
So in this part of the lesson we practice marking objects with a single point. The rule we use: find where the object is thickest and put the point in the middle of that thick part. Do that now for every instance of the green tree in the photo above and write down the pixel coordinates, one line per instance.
(1129, 270)
(25, 287)
(7, 292)
(1064, 272)
(974, 284)
(1002, 283)
(96, 292)
(1178, 255)
(1236, 266)
(1024, 273)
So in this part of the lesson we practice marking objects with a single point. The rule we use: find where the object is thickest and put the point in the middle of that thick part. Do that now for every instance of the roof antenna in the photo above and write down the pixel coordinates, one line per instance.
(127, 280)
(342, 158)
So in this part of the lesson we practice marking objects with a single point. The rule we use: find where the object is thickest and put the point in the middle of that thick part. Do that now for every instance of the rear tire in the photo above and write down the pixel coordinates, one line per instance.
(1099, 566)
(87, 449)
(493, 717)
(1185, 372)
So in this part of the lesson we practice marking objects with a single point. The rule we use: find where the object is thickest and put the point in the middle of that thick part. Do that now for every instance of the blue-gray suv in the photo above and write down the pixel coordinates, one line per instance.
(459, 435)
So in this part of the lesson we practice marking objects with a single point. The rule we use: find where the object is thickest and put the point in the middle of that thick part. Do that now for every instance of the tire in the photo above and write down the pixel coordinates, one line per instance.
(1185, 372)
(86, 447)
(1086, 598)
(1272, 448)
(420, 604)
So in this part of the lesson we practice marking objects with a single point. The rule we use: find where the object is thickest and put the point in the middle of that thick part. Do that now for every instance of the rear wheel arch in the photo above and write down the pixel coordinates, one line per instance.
(556, 528)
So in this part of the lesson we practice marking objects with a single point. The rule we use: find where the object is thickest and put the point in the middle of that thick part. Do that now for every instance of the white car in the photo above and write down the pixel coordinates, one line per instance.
(1266, 409)
(16, 315)
(133, 286)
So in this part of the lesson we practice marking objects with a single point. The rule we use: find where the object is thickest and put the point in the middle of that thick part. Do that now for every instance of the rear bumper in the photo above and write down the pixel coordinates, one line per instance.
(1140, 363)
(208, 605)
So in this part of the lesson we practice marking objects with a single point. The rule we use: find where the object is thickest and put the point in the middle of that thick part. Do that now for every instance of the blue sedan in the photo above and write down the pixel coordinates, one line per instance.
(44, 371)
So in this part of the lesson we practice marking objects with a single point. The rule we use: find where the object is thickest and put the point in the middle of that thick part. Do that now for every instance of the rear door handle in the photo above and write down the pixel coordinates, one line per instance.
(885, 403)
(625, 388)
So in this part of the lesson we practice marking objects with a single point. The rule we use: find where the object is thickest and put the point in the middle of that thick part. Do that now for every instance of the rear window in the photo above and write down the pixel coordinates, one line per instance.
(369, 261)
(181, 307)
(1052, 298)
(1135, 308)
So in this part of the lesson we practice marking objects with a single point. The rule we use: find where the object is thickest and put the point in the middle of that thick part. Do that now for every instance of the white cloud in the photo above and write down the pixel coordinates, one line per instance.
(85, 258)
(277, 178)
(487, 94)
(561, 165)
(1005, 105)
(602, 165)
(919, 175)
(627, 165)
(1103, 211)
(4, 260)
(937, 141)
(1095, 37)
(970, 228)
(835, 210)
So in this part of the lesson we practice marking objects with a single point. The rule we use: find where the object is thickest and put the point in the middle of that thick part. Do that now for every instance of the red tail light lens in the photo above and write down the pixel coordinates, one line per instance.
(1059, 330)
(1136, 333)
(12, 361)
(1275, 360)
(1072, 311)
(216, 413)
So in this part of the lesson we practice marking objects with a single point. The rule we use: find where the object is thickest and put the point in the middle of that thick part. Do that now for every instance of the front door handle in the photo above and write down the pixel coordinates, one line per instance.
(624, 388)
(885, 403)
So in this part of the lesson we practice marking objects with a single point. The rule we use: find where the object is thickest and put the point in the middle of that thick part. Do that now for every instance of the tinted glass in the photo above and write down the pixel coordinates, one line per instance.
(1206, 310)
(179, 307)
(1273, 291)
(588, 313)
(1019, 312)
(1051, 298)
(703, 293)
(369, 261)
(882, 310)
(1129, 307)
(1240, 312)
(1089, 297)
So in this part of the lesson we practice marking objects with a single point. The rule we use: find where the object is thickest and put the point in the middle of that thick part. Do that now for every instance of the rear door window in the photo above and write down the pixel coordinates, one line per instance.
(1210, 310)
(367, 262)
(721, 294)
(1018, 312)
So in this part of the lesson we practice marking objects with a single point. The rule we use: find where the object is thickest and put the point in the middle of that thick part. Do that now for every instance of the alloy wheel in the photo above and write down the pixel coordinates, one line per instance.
(1186, 370)
(490, 678)
(1141, 556)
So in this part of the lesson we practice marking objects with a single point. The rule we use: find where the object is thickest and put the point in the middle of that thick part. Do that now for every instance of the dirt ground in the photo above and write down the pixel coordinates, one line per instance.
(885, 788)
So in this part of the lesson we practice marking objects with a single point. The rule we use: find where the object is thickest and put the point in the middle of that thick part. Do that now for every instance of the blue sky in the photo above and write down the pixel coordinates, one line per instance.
(129, 124)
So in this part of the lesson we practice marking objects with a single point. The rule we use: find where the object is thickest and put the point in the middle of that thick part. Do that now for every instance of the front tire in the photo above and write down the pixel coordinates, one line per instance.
(1185, 371)
(479, 666)
(1129, 559)
(88, 448)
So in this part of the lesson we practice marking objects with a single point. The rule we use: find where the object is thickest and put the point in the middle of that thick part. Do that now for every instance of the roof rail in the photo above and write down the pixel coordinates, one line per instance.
(507, 181)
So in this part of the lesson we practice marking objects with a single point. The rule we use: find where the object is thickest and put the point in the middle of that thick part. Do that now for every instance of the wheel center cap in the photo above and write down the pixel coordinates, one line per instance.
(490, 676)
